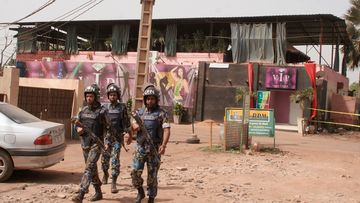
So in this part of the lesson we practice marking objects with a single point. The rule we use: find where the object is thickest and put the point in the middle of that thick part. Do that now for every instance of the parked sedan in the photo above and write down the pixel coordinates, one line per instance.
(27, 142)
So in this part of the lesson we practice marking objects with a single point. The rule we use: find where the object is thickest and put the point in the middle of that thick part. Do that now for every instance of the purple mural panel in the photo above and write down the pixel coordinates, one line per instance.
(280, 78)
(42, 69)
(175, 82)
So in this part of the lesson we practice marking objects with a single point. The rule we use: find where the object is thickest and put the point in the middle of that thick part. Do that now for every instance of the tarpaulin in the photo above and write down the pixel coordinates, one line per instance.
(250, 77)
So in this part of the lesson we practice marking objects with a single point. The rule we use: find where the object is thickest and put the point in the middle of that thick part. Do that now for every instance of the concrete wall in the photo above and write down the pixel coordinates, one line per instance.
(66, 84)
(333, 78)
(9, 85)
(344, 104)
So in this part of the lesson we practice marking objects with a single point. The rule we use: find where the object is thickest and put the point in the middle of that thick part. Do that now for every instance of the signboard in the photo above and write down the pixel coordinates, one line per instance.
(219, 65)
(280, 78)
(263, 100)
(261, 121)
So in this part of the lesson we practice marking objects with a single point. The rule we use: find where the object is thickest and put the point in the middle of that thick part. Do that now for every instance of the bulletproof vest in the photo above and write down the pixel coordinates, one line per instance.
(116, 115)
(91, 119)
(152, 122)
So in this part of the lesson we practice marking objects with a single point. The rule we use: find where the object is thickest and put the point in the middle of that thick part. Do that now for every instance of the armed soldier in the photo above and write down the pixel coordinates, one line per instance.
(120, 123)
(153, 132)
(92, 122)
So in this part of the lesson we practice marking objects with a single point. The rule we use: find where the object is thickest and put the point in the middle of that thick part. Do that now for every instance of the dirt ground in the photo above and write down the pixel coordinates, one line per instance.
(317, 168)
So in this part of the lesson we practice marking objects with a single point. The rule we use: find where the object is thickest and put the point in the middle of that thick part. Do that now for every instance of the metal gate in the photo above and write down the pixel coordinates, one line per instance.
(48, 104)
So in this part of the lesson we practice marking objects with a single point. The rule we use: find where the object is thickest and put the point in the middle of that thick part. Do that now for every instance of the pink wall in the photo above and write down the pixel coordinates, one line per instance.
(181, 58)
(344, 104)
(333, 78)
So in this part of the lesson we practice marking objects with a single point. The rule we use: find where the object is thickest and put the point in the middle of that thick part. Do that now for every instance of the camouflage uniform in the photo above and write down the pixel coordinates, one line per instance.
(154, 121)
(95, 118)
(120, 123)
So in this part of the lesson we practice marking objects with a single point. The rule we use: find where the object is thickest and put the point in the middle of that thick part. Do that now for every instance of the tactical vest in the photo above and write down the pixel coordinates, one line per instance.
(91, 119)
(153, 123)
(116, 115)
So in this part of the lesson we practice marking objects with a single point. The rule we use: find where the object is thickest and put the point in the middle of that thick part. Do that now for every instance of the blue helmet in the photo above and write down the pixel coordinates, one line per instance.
(93, 89)
(113, 88)
(150, 90)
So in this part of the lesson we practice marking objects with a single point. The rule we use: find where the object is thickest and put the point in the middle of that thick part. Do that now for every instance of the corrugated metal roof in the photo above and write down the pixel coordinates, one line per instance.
(301, 29)
(12, 10)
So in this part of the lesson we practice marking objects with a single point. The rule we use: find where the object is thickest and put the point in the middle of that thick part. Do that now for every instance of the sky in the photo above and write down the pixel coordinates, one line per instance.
(10, 11)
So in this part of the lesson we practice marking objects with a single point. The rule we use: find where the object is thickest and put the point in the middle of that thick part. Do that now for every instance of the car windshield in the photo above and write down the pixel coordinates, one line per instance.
(17, 115)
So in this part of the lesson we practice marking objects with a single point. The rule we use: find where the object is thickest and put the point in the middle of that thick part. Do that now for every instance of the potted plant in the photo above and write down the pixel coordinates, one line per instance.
(177, 112)
(304, 98)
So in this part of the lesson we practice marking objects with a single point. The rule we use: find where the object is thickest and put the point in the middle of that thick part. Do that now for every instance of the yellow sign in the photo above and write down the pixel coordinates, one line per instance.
(236, 115)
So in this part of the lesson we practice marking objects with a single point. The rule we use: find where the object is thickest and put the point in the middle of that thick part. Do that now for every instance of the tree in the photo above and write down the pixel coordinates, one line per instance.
(6, 45)
(354, 88)
(353, 23)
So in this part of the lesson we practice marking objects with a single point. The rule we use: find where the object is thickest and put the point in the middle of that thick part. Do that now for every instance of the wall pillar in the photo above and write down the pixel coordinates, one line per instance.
(10, 85)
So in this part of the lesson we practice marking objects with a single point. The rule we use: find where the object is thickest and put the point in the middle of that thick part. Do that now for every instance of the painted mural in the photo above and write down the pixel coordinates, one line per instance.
(176, 83)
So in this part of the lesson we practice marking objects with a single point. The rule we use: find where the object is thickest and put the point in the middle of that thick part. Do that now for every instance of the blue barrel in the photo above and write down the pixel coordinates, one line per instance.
(22, 67)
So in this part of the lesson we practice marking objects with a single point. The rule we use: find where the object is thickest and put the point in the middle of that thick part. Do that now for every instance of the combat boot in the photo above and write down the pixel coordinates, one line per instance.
(105, 178)
(151, 200)
(79, 197)
(79, 190)
(140, 195)
(113, 185)
(98, 194)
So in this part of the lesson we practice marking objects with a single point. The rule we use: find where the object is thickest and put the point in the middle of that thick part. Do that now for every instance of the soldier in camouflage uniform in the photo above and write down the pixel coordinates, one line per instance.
(120, 123)
(155, 121)
(94, 117)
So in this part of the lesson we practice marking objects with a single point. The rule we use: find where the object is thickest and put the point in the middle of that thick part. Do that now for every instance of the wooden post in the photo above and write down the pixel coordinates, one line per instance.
(211, 133)
(320, 40)
(142, 62)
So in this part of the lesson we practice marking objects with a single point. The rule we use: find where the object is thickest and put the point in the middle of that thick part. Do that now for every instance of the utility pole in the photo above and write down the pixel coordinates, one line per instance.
(142, 62)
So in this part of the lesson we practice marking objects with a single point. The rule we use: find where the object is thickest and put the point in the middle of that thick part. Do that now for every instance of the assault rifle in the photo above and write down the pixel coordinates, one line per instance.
(147, 137)
(95, 138)
(113, 132)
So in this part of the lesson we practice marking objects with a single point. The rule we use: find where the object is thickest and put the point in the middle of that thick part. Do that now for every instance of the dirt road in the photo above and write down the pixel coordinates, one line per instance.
(306, 169)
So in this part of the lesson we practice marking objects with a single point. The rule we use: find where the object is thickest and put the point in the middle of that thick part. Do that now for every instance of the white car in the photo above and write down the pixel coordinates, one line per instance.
(27, 142)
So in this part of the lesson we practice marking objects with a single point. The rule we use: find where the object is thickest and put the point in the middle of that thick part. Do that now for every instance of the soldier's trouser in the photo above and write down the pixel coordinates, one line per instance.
(153, 165)
(91, 172)
(115, 148)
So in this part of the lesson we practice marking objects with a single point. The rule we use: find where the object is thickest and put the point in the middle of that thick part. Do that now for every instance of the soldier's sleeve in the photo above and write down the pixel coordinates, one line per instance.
(165, 119)
(78, 118)
(126, 121)
(107, 124)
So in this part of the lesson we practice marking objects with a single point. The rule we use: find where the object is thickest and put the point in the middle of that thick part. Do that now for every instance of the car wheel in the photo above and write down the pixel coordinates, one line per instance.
(6, 166)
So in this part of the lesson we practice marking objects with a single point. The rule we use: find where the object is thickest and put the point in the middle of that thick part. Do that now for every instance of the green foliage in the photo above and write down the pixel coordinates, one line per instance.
(157, 39)
(241, 91)
(129, 104)
(199, 38)
(352, 18)
(221, 43)
(355, 88)
(178, 109)
(301, 96)
(239, 94)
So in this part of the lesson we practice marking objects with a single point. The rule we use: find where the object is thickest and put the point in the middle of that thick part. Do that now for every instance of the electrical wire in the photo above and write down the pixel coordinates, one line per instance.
(32, 13)
(65, 15)
(57, 19)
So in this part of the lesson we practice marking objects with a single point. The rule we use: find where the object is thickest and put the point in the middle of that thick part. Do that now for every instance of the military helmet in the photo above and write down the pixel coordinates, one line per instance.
(113, 88)
(93, 89)
(150, 90)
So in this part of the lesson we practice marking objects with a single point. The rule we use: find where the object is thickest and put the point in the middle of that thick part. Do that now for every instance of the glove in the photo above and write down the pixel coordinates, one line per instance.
(80, 131)
(127, 139)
